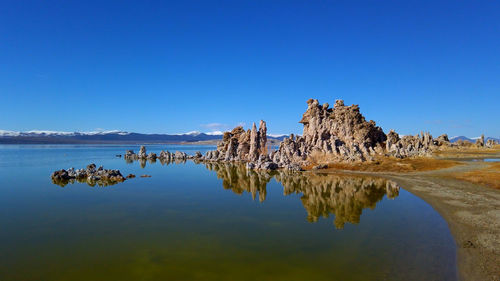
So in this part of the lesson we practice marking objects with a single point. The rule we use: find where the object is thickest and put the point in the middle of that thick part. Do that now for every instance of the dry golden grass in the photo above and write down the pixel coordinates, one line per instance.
(489, 176)
(467, 152)
(382, 164)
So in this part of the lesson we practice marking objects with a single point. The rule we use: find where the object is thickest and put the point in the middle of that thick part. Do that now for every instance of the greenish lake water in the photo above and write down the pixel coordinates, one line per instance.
(209, 222)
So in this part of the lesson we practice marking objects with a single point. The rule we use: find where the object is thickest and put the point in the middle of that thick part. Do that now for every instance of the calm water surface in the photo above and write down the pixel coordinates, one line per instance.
(209, 222)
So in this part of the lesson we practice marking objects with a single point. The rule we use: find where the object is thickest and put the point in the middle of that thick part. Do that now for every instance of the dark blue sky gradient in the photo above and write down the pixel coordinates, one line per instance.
(170, 67)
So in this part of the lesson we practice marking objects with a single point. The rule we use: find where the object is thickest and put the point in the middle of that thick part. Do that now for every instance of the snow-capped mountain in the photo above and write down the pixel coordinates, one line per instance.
(115, 136)
(473, 139)
(192, 133)
(4, 133)
(215, 133)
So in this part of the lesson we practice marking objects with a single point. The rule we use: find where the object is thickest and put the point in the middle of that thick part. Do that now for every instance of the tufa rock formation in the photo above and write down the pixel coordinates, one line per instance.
(491, 143)
(142, 152)
(90, 175)
(413, 146)
(164, 156)
(338, 134)
(241, 145)
(341, 131)
(480, 141)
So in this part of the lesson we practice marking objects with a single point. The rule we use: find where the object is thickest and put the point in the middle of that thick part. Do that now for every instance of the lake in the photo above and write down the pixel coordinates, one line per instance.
(210, 221)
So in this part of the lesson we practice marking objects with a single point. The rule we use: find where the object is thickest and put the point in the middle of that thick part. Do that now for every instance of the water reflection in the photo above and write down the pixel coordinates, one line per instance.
(322, 194)
(239, 179)
(343, 196)
(143, 162)
(181, 224)
(91, 182)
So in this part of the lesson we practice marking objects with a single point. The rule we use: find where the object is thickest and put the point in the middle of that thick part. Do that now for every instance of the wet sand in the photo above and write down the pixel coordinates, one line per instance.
(472, 212)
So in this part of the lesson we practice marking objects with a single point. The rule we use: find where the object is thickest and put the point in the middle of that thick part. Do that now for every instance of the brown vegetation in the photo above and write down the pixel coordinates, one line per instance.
(489, 176)
(382, 164)
(471, 151)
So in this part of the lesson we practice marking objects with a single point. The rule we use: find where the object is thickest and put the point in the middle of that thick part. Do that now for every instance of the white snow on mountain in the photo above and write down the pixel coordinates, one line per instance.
(277, 135)
(196, 133)
(49, 133)
(215, 133)
(9, 133)
(192, 133)
(5, 133)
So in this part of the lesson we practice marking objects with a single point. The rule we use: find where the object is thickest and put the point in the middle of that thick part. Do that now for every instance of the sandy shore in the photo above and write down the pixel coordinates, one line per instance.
(472, 212)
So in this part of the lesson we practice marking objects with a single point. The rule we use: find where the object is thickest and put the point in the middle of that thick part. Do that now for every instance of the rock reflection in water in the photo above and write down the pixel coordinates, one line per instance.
(322, 194)
(343, 196)
(93, 183)
(143, 162)
(240, 179)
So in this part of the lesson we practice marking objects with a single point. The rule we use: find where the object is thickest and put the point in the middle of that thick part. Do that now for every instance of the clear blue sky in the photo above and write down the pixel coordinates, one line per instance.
(170, 67)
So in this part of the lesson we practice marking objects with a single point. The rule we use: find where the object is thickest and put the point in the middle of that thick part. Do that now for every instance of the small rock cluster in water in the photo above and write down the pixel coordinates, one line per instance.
(91, 175)
(164, 155)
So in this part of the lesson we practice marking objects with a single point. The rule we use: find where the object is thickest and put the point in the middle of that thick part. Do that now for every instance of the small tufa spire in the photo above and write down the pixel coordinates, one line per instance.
(338, 103)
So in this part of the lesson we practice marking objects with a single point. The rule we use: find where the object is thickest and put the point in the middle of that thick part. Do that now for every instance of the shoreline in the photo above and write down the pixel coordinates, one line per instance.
(472, 212)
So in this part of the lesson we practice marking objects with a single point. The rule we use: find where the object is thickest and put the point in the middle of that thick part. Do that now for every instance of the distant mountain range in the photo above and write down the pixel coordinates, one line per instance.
(117, 137)
(457, 138)
(107, 137)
